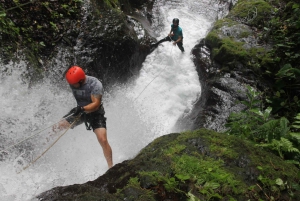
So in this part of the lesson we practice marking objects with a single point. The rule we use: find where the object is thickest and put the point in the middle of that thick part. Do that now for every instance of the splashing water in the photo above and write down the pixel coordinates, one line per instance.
(138, 112)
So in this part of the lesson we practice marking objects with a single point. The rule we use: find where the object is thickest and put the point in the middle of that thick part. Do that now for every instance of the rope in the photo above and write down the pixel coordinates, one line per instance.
(5, 150)
(78, 117)
(153, 78)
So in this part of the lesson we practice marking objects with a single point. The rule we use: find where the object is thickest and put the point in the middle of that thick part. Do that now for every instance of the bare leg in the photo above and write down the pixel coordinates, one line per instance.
(102, 139)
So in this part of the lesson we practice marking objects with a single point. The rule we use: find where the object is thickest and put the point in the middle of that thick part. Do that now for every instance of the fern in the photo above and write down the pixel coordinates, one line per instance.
(295, 136)
(282, 146)
(272, 129)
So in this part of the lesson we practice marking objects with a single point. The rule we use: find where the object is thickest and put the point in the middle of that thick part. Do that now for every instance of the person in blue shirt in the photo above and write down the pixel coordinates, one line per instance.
(175, 35)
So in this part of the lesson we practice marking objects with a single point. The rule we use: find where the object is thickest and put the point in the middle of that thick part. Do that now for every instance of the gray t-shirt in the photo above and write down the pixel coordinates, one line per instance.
(92, 86)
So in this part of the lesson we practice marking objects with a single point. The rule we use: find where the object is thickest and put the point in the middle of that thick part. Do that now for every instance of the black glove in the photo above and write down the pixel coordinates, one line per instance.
(77, 110)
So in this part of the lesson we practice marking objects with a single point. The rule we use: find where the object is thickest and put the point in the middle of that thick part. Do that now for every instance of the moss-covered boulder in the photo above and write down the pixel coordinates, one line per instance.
(252, 12)
(195, 165)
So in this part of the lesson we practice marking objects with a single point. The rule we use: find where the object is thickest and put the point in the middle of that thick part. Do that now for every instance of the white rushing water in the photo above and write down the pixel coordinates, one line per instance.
(137, 113)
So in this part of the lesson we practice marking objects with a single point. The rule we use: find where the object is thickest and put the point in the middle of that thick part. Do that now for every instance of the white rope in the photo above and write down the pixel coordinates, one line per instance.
(5, 150)
(50, 145)
(153, 78)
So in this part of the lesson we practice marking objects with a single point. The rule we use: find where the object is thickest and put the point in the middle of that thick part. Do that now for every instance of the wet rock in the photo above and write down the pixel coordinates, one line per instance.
(156, 174)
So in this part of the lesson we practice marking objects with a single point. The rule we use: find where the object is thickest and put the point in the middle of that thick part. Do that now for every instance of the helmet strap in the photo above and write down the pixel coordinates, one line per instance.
(81, 83)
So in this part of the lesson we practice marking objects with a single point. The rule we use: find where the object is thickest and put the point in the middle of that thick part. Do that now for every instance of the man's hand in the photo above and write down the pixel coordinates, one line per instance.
(77, 110)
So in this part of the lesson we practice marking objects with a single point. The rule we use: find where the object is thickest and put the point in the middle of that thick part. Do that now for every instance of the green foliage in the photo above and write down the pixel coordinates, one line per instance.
(284, 32)
(111, 3)
(34, 25)
(253, 12)
(244, 124)
(7, 28)
(258, 126)
(278, 185)
(286, 85)
(281, 146)
(174, 149)
(134, 181)
(230, 51)
(277, 24)
(213, 40)
(208, 176)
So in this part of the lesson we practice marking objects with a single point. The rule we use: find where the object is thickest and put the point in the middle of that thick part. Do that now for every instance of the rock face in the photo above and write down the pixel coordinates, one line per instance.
(200, 164)
(107, 45)
(227, 60)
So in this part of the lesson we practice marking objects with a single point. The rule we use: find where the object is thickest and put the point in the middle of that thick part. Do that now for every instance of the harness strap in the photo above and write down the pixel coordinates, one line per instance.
(87, 124)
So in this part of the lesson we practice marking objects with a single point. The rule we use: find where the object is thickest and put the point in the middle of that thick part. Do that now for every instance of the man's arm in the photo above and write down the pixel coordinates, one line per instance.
(178, 40)
(94, 105)
(171, 34)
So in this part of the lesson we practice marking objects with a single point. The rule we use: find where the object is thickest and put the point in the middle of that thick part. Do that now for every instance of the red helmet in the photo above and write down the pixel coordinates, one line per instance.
(75, 74)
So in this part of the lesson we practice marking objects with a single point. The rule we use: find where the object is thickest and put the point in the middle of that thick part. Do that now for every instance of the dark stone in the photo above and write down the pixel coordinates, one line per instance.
(242, 165)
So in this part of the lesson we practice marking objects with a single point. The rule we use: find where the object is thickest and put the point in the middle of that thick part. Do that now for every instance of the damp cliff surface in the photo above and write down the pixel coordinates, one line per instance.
(247, 47)
(199, 164)
(99, 36)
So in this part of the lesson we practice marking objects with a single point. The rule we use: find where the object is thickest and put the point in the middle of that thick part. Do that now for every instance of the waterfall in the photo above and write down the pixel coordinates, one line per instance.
(137, 112)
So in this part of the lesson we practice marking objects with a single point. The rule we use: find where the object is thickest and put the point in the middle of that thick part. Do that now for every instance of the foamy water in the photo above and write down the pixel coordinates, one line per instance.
(137, 113)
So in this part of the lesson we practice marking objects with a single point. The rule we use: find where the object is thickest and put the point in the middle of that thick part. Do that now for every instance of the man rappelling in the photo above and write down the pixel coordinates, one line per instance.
(88, 92)
(175, 35)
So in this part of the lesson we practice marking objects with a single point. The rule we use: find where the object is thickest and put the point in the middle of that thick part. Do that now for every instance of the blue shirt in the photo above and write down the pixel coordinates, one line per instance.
(177, 32)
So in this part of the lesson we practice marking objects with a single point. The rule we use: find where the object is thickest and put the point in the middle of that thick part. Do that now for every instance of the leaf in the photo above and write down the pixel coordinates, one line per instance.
(192, 197)
(284, 70)
(279, 182)
(211, 185)
(257, 111)
(182, 177)
(2, 14)
(295, 6)
(296, 136)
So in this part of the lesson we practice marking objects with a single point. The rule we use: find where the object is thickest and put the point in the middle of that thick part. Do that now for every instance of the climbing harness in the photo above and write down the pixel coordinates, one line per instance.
(87, 124)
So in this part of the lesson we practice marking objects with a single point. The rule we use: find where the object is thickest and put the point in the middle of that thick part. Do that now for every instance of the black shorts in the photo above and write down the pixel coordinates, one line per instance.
(94, 119)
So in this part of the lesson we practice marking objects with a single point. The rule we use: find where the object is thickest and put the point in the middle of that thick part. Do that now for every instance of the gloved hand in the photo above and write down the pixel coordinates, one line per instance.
(77, 110)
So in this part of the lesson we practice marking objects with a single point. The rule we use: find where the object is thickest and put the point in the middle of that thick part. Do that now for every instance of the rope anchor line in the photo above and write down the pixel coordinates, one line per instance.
(153, 78)
(6, 150)
(31, 163)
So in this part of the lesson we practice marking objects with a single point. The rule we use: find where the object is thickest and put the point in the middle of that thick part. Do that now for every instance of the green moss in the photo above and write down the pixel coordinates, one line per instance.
(133, 192)
(224, 22)
(177, 148)
(213, 40)
(112, 3)
(230, 51)
(222, 147)
(253, 12)
(208, 171)
(260, 57)
(244, 34)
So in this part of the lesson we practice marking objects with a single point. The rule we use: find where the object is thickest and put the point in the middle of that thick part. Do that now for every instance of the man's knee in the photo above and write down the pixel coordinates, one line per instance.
(101, 135)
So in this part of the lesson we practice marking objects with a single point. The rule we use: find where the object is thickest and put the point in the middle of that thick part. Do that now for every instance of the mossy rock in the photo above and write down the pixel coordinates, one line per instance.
(225, 50)
(253, 12)
(197, 165)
